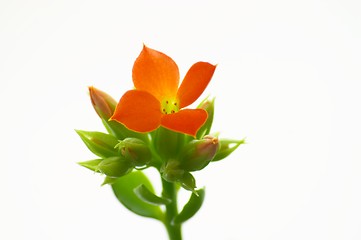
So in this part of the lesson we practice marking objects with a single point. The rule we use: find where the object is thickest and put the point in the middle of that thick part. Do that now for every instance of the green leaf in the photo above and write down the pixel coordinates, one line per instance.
(92, 164)
(123, 189)
(191, 207)
(148, 196)
(101, 144)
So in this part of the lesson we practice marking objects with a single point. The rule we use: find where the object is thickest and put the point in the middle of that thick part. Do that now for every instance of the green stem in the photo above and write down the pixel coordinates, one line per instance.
(174, 230)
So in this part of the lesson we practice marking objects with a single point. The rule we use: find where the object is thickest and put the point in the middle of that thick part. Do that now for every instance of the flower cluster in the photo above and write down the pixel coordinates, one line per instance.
(151, 126)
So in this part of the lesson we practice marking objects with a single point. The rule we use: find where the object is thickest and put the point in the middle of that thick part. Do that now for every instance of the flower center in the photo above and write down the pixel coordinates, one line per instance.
(170, 106)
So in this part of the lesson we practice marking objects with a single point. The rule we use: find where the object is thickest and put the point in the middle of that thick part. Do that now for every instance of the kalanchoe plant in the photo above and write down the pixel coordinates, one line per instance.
(150, 127)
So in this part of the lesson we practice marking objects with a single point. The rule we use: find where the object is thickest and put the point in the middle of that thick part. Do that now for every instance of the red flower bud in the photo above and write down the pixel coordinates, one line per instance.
(198, 153)
(103, 104)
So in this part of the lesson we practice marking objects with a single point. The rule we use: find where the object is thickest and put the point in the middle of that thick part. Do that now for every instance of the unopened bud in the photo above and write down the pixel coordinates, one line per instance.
(171, 171)
(207, 105)
(135, 150)
(188, 182)
(198, 153)
(115, 167)
(101, 144)
(103, 104)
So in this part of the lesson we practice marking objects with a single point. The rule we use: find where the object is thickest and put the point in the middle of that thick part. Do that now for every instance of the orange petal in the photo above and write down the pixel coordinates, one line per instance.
(194, 83)
(187, 121)
(139, 111)
(156, 73)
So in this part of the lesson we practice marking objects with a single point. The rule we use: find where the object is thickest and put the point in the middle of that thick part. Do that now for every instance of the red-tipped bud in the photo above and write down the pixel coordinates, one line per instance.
(103, 104)
(135, 150)
(198, 153)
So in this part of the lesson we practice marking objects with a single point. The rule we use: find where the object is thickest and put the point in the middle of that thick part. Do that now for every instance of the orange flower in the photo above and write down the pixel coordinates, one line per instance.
(157, 100)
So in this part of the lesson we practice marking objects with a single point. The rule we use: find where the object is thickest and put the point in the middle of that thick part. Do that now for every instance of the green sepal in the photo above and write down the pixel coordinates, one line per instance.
(123, 189)
(92, 164)
(115, 166)
(109, 180)
(101, 144)
(148, 196)
(121, 132)
(168, 143)
(191, 207)
(207, 105)
(227, 146)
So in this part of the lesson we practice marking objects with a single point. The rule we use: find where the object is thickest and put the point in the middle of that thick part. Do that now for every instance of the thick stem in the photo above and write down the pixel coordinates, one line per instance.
(174, 230)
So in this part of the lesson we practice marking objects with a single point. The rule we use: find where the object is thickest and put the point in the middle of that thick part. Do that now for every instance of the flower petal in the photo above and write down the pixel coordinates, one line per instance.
(156, 73)
(187, 121)
(138, 111)
(194, 83)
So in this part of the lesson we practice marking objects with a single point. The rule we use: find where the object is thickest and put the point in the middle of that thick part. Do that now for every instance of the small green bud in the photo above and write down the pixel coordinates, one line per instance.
(207, 105)
(188, 182)
(198, 153)
(135, 150)
(171, 171)
(227, 146)
(115, 167)
(101, 144)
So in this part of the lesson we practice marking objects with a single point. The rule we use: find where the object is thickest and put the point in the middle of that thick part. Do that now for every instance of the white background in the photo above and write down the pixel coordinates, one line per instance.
(288, 79)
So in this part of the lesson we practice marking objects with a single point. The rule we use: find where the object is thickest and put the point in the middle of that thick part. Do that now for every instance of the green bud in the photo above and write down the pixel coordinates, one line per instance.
(207, 105)
(198, 153)
(105, 105)
(135, 150)
(168, 143)
(171, 171)
(115, 167)
(227, 146)
(101, 144)
(188, 182)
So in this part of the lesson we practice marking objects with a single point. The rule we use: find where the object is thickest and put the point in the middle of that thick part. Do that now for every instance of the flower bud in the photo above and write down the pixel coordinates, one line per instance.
(227, 146)
(188, 182)
(198, 153)
(135, 150)
(171, 171)
(105, 105)
(115, 167)
(207, 105)
(101, 144)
